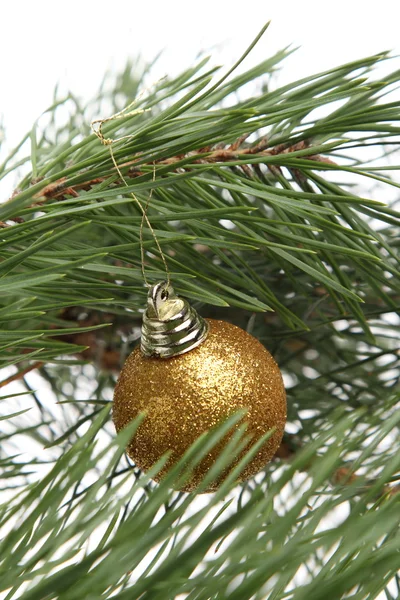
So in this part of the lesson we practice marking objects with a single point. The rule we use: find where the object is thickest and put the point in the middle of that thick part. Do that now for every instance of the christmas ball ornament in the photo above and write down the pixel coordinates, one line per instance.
(190, 374)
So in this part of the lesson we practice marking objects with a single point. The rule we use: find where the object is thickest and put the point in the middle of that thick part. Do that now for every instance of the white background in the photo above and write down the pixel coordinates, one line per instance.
(72, 43)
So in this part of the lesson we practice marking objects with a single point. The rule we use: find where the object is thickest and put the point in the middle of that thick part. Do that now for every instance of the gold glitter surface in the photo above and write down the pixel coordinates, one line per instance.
(189, 394)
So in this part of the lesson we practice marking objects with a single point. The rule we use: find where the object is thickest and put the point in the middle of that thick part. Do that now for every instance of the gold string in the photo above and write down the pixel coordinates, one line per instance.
(109, 142)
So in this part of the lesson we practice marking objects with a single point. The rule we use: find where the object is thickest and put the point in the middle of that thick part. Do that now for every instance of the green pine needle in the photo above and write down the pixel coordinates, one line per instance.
(273, 208)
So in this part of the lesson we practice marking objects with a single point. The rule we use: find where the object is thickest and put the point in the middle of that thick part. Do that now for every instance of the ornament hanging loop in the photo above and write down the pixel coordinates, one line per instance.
(170, 325)
(97, 129)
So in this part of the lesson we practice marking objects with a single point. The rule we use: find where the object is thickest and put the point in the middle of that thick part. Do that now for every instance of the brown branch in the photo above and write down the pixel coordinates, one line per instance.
(60, 188)
(21, 374)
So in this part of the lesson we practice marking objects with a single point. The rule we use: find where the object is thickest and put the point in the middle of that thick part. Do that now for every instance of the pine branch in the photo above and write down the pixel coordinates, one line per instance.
(205, 156)
(272, 218)
(280, 543)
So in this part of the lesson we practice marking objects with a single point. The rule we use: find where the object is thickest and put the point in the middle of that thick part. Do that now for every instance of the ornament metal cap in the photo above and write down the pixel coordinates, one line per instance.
(170, 325)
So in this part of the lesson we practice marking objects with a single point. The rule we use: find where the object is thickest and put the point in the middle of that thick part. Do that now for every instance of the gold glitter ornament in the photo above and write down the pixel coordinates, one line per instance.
(224, 370)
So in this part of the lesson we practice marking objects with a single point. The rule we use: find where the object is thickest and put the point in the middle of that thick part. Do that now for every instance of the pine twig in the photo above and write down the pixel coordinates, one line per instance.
(20, 374)
(60, 188)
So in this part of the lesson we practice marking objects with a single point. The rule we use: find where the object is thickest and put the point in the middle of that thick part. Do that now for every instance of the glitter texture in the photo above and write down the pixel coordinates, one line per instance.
(186, 395)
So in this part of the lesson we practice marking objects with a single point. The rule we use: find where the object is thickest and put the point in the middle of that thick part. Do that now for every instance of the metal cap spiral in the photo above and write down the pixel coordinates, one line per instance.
(170, 325)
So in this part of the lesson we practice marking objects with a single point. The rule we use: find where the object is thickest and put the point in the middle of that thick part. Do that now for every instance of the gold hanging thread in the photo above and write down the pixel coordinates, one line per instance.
(97, 129)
